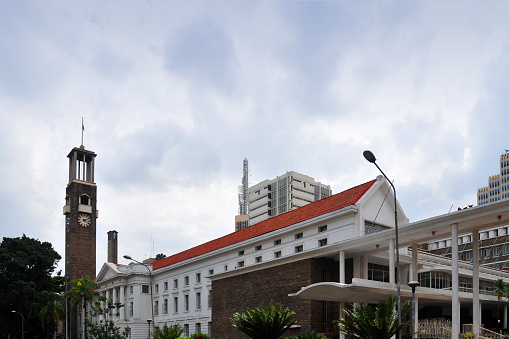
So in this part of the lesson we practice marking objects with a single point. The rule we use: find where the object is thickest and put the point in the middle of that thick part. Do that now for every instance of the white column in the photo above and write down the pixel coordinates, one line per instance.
(392, 265)
(341, 315)
(455, 331)
(415, 266)
(476, 314)
(342, 267)
(342, 281)
(122, 301)
(365, 266)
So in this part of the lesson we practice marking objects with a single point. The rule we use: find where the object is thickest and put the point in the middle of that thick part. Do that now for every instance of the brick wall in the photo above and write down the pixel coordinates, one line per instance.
(253, 289)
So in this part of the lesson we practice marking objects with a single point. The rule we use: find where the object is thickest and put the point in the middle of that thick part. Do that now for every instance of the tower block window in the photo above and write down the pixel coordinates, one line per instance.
(84, 200)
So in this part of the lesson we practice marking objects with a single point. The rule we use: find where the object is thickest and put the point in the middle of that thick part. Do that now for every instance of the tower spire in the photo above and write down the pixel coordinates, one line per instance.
(82, 129)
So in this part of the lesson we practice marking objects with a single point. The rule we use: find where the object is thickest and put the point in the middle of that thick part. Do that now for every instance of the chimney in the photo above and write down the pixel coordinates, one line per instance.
(113, 247)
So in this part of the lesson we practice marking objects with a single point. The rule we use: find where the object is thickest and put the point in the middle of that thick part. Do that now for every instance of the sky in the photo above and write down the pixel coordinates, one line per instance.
(175, 94)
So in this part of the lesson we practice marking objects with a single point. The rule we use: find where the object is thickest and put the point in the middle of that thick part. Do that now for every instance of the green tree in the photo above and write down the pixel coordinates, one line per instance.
(308, 335)
(82, 291)
(26, 266)
(52, 309)
(105, 327)
(168, 332)
(501, 292)
(160, 256)
(366, 322)
(259, 323)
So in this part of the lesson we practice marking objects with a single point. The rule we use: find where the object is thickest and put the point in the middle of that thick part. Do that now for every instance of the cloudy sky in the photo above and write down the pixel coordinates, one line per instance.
(175, 94)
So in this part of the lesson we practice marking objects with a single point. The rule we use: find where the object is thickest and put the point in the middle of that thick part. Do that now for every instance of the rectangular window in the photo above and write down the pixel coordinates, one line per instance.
(186, 330)
(131, 308)
(322, 242)
(144, 289)
(277, 242)
(186, 302)
(505, 250)
(157, 288)
(496, 252)
(198, 301)
(209, 300)
(198, 278)
(165, 306)
(166, 286)
(299, 235)
(131, 289)
(197, 328)
(241, 253)
(322, 228)
(209, 332)
(211, 272)
(277, 254)
(258, 248)
(186, 281)
(240, 264)
(156, 307)
(468, 256)
(175, 304)
(299, 248)
(258, 259)
(175, 283)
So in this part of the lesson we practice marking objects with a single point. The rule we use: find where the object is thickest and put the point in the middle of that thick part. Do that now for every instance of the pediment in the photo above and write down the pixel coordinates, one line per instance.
(108, 271)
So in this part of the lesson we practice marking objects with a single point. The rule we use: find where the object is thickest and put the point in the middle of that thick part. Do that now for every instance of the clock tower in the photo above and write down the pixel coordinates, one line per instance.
(80, 212)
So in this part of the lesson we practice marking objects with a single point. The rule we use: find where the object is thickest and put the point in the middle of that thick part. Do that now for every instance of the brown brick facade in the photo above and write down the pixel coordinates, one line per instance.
(241, 292)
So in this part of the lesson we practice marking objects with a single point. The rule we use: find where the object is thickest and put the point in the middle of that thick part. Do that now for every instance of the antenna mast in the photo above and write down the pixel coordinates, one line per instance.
(82, 129)
(244, 190)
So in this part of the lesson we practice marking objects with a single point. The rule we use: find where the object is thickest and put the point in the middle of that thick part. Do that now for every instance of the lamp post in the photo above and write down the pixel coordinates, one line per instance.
(151, 296)
(149, 320)
(413, 285)
(22, 324)
(371, 158)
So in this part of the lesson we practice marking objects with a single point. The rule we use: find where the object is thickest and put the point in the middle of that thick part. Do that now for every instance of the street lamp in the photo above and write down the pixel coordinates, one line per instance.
(413, 285)
(151, 296)
(149, 320)
(371, 158)
(22, 324)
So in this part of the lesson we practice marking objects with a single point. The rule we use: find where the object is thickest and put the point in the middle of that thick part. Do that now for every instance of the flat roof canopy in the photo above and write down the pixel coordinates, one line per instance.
(371, 292)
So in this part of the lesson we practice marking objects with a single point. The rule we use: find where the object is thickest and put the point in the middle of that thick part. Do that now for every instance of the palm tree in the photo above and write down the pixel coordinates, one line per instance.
(82, 290)
(366, 322)
(500, 291)
(52, 310)
(259, 323)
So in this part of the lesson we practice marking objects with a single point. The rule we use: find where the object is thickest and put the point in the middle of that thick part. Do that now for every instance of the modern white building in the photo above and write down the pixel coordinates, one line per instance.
(282, 194)
(316, 260)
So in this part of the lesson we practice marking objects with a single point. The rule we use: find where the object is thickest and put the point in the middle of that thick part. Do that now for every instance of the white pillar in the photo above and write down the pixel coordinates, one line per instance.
(392, 265)
(476, 314)
(365, 266)
(341, 315)
(455, 331)
(342, 267)
(122, 301)
(415, 267)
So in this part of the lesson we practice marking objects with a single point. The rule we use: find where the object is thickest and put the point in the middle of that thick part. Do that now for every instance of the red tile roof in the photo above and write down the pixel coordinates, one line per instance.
(306, 212)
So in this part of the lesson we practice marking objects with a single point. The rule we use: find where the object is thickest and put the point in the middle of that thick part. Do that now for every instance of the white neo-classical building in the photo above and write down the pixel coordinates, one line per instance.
(316, 260)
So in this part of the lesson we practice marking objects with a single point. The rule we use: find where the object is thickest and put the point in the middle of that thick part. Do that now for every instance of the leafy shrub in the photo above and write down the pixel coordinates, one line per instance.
(168, 332)
(200, 336)
(308, 335)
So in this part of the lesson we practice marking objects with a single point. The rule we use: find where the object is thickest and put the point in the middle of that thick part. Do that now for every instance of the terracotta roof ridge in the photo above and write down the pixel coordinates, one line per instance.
(323, 206)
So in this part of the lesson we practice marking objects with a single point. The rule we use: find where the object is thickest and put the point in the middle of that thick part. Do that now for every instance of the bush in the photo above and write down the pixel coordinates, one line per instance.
(307, 335)
(168, 332)
(200, 336)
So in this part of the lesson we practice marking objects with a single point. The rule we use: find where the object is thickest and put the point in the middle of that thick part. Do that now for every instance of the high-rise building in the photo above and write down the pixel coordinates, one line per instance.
(498, 184)
(242, 220)
(282, 194)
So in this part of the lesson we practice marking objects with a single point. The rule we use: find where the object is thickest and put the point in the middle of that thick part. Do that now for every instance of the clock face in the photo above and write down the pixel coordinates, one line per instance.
(84, 220)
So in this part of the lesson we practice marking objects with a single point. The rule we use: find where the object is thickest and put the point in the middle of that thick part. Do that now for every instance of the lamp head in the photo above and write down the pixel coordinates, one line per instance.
(413, 284)
(128, 257)
(369, 156)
